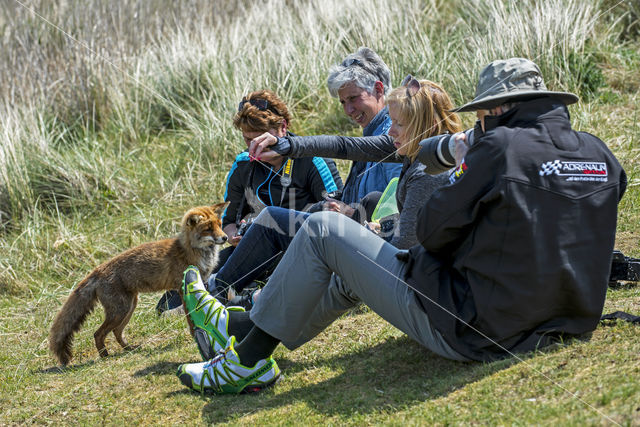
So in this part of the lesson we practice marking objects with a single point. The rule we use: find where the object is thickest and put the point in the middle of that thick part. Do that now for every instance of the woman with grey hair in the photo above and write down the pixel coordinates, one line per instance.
(361, 82)
(364, 67)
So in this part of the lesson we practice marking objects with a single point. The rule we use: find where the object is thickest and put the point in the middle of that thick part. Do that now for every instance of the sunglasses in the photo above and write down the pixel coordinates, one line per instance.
(260, 104)
(412, 85)
(352, 61)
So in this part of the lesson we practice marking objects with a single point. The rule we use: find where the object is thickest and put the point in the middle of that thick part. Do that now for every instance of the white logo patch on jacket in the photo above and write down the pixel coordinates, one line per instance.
(576, 171)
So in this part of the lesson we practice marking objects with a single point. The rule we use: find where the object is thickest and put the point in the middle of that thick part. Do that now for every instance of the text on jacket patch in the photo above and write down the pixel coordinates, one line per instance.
(576, 171)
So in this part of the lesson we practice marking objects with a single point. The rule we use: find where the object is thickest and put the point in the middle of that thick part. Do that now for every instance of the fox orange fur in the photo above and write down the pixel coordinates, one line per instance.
(150, 267)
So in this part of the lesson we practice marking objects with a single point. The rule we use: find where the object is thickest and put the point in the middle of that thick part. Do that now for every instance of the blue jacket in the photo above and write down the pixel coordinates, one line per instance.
(376, 175)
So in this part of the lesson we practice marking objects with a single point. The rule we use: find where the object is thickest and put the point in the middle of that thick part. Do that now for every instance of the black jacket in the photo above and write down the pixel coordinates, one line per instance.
(253, 185)
(519, 245)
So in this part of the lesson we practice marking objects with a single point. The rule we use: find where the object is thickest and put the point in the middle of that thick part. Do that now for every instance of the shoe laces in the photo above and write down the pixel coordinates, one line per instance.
(220, 357)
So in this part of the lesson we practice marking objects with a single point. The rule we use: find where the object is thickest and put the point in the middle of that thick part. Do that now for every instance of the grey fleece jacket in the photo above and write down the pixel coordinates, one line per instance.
(415, 186)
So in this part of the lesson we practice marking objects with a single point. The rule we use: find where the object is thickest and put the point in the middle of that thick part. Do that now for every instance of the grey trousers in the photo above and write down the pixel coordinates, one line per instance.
(332, 264)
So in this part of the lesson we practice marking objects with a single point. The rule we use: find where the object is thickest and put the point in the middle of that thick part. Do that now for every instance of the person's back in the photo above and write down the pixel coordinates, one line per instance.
(525, 231)
(558, 209)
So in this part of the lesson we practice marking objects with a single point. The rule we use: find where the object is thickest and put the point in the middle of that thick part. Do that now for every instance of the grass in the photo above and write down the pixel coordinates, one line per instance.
(97, 156)
(360, 371)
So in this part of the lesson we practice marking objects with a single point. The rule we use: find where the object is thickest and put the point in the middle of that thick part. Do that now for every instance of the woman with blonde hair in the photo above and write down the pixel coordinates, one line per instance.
(418, 109)
(423, 107)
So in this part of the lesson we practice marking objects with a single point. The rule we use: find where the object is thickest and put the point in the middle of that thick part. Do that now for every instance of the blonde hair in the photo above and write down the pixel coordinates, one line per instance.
(424, 114)
(253, 118)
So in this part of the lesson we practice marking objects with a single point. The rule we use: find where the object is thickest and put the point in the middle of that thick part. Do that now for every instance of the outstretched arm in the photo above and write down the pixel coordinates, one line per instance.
(370, 148)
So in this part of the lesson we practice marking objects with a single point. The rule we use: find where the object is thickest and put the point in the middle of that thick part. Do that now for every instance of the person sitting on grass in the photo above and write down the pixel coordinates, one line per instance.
(514, 253)
(252, 186)
(361, 82)
(419, 109)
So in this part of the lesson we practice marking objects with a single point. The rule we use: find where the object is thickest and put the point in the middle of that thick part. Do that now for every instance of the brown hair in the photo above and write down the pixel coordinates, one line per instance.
(253, 118)
(425, 113)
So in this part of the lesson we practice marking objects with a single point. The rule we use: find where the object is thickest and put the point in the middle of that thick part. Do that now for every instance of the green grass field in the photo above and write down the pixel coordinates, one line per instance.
(115, 117)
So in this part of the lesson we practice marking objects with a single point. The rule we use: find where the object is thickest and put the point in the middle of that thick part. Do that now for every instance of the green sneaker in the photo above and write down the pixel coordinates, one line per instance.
(224, 374)
(206, 312)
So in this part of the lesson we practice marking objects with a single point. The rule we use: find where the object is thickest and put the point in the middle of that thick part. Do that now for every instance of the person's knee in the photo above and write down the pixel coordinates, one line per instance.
(369, 203)
(333, 224)
(317, 223)
(273, 218)
(281, 220)
(267, 215)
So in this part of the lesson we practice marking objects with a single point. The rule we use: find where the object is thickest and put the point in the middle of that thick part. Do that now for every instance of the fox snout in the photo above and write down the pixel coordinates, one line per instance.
(211, 240)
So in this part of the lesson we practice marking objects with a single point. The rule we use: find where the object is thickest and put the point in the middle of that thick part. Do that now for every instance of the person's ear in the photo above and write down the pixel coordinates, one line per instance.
(378, 87)
(283, 127)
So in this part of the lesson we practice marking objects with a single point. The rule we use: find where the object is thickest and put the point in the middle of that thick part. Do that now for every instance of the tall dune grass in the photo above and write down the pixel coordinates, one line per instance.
(556, 34)
(141, 94)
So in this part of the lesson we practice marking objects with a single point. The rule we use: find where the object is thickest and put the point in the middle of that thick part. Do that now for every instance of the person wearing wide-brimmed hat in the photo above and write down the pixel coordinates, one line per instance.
(527, 225)
(514, 254)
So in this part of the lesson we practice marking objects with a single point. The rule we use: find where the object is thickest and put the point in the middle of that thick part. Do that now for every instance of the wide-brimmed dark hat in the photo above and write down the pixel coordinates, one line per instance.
(511, 80)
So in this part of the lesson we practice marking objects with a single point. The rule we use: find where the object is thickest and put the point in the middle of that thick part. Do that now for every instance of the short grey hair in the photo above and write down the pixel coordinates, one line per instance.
(364, 68)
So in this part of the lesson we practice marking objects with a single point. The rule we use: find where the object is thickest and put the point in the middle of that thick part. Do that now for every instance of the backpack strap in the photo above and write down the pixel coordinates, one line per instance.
(621, 315)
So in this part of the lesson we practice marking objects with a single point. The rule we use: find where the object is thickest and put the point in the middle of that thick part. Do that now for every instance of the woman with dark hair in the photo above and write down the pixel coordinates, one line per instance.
(284, 182)
(253, 185)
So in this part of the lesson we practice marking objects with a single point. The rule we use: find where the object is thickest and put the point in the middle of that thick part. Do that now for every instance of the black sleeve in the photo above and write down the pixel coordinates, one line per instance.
(623, 183)
(369, 148)
(451, 212)
(335, 174)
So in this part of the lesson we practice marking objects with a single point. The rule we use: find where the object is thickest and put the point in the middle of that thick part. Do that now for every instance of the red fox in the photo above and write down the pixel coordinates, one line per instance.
(150, 267)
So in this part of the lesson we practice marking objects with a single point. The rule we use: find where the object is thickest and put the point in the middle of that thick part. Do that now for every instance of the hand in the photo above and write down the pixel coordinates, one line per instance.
(461, 147)
(338, 206)
(373, 226)
(234, 240)
(259, 148)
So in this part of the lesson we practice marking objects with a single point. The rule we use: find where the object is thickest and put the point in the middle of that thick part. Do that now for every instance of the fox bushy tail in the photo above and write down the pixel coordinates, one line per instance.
(70, 318)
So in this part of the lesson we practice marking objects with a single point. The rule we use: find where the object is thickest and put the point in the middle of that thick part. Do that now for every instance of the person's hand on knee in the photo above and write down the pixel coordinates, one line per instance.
(338, 206)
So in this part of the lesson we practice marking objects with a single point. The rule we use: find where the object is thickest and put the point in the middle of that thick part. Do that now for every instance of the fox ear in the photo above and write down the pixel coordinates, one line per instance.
(220, 207)
(193, 220)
